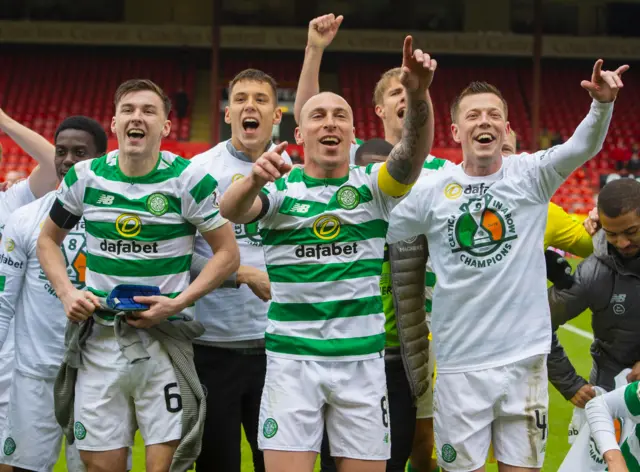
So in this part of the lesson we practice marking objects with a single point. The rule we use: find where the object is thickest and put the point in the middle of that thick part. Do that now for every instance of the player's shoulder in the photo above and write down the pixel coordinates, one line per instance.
(33, 213)
(98, 166)
(209, 156)
(525, 160)
(436, 163)
(556, 211)
(177, 167)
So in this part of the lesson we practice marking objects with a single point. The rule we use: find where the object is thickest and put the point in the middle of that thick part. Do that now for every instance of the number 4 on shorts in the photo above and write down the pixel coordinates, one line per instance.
(172, 400)
(541, 423)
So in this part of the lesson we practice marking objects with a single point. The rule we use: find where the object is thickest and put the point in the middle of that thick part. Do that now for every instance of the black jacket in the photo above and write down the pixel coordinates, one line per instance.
(610, 286)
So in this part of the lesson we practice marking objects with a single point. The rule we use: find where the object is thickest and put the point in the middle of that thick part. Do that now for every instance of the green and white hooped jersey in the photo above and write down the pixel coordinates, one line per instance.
(140, 230)
(323, 242)
(630, 448)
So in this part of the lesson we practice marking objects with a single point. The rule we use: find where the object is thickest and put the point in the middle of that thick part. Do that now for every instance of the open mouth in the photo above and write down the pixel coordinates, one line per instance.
(135, 133)
(250, 124)
(485, 138)
(331, 141)
(401, 113)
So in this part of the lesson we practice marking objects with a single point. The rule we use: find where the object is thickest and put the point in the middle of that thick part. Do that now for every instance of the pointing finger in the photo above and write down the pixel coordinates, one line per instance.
(597, 70)
(281, 147)
(407, 47)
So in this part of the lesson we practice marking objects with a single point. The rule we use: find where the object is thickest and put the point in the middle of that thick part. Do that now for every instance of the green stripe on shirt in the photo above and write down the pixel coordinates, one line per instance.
(138, 268)
(295, 207)
(348, 233)
(204, 188)
(324, 272)
(71, 177)
(112, 172)
(361, 346)
(104, 198)
(631, 398)
(325, 310)
(148, 232)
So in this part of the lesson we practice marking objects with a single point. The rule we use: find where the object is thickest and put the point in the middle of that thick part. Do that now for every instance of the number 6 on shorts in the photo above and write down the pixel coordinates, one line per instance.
(168, 397)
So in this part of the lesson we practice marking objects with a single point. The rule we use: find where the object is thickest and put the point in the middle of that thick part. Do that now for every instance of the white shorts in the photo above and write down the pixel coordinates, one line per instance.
(32, 437)
(350, 397)
(7, 364)
(425, 402)
(505, 405)
(114, 397)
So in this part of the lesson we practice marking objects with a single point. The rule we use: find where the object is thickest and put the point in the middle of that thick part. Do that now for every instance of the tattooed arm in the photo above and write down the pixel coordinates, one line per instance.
(407, 157)
(405, 161)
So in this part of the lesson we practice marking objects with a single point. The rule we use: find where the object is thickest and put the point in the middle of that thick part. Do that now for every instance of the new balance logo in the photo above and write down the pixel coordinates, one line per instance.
(300, 208)
(105, 200)
(618, 298)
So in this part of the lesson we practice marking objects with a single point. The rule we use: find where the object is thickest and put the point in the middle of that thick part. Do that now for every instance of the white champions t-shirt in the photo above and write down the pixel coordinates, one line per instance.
(483, 235)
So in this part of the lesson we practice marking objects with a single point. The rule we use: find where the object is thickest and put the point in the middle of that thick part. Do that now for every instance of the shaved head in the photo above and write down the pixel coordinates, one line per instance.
(321, 99)
(325, 132)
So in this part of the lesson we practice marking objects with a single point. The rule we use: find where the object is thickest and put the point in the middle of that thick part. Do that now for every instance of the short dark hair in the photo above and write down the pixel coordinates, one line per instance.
(619, 197)
(476, 88)
(91, 126)
(373, 147)
(255, 75)
(138, 85)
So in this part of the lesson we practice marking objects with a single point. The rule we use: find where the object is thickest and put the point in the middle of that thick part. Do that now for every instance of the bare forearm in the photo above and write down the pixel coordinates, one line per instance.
(615, 461)
(407, 157)
(53, 264)
(223, 263)
(309, 82)
(239, 201)
(32, 143)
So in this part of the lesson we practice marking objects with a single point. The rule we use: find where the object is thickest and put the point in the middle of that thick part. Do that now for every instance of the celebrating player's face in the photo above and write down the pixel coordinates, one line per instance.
(480, 126)
(623, 232)
(326, 130)
(509, 144)
(73, 145)
(140, 123)
(393, 107)
(252, 112)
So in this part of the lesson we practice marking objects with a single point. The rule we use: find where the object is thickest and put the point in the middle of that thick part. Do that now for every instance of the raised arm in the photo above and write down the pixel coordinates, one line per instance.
(407, 157)
(44, 178)
(589, 136)
(244, 202)
(322, 30)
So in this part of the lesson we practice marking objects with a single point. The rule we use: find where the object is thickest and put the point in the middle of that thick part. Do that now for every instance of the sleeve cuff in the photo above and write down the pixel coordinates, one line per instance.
(595, 104)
